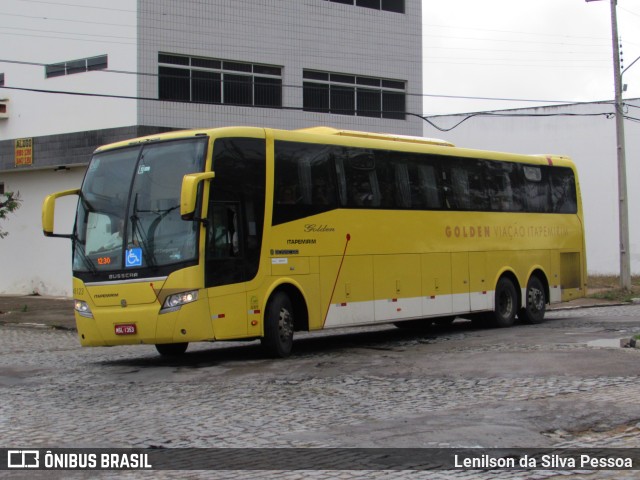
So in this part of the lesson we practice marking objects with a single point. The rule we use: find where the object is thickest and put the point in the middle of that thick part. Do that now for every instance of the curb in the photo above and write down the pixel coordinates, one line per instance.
(38, 325)
(595, 305)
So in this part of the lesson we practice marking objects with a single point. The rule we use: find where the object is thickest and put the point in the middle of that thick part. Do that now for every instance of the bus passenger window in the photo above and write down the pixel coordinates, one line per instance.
(429, 191)
(287, 196)
(536, 189)
(563, 190)
(503, 186)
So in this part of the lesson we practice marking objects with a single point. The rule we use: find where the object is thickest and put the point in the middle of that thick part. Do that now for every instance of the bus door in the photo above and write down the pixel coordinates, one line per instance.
(224, 269)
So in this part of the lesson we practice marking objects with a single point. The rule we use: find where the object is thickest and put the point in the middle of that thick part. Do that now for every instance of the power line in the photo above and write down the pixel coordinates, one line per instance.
(469, 116)
(423, 117)
(422, 95)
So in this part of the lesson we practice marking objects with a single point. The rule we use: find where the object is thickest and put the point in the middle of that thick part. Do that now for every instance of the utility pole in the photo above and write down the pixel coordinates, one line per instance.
(623, 207)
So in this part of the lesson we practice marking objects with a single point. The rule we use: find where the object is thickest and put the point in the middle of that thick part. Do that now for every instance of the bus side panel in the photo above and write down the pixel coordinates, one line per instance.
(460, 282)
(481, 293)
(571, 269)
(436, 284)
(229, 310)
(397, 287)
(351, 303)
(555, 289)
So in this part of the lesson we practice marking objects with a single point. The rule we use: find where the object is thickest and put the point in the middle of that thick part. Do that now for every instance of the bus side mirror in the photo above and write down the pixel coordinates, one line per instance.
(48, 212)
(189, 193)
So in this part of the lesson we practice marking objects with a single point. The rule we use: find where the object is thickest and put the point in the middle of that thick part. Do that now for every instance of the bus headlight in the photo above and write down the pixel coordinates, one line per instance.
(179, 299)
(82, 308)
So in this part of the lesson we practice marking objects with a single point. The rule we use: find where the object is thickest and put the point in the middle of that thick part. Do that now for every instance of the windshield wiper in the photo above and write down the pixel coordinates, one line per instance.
(86, 260)
(85, 202)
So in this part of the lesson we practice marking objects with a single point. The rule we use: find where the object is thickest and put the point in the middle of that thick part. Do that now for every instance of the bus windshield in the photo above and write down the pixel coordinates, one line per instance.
(129, 209)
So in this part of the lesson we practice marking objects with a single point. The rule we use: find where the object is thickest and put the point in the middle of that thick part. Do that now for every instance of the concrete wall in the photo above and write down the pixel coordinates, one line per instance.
(57, 31)
(29, 261)
(294, 34)
(580, 132)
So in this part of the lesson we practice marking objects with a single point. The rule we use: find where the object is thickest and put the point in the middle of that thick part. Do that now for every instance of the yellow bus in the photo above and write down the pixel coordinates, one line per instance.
(250, 233)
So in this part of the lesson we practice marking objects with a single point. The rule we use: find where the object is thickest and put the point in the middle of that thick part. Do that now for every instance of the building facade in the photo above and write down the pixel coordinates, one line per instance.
(586, 132)
(107, 73)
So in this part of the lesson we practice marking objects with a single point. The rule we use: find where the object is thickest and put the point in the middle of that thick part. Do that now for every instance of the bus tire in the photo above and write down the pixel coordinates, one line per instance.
(278, 326)
(535, 302)
(506, 304)
(171, 349)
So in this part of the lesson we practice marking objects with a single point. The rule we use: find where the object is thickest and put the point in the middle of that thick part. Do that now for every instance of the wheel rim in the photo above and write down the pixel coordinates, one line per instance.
(536, 300)
(505, 304)
(285, 325)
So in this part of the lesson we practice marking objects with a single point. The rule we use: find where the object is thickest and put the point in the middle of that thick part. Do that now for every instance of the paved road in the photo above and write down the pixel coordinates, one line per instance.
(563, 383)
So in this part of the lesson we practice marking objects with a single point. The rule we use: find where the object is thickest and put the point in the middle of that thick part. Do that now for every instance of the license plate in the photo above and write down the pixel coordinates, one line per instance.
(126, 329)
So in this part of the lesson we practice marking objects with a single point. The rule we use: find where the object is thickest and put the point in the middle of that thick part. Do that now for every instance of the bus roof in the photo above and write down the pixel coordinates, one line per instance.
(376, 136)
(329, 131)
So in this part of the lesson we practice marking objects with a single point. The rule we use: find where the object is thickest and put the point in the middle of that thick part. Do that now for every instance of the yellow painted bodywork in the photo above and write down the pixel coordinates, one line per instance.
(389, 265)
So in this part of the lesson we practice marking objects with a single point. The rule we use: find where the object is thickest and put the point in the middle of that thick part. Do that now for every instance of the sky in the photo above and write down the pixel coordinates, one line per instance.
(551, 50)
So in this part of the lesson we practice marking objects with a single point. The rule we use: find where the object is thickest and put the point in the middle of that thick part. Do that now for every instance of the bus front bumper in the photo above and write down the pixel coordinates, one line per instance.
(144, 324)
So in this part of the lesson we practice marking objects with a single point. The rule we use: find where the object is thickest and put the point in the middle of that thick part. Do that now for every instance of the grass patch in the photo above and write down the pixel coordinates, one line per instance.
(607, 287)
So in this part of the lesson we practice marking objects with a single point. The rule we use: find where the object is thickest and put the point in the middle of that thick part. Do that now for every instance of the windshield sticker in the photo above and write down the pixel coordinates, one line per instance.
(143, 168)
(134, 257)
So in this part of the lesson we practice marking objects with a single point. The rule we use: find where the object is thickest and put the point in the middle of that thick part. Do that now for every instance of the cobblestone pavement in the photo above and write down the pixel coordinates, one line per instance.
(562, 384)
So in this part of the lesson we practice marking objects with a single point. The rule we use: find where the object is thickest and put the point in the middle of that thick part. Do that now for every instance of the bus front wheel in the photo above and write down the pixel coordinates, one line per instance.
(536, 301)
(278, 326)
(506, 306)
(171, 349)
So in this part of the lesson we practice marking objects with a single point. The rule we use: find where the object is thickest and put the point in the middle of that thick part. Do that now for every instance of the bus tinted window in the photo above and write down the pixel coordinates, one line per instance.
(313, 178)
(504, 187)
(536, 189)
(305, 180)
(563, 190)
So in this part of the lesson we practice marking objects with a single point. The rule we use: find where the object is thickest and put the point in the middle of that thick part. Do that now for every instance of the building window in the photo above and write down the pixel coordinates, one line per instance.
(1, 79)
(387, 5)
(208, 80)
(353, 95)
(76, 66)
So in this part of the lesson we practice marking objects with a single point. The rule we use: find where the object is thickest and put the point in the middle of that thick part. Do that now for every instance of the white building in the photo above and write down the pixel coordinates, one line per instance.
(586, 133)
(154, 65)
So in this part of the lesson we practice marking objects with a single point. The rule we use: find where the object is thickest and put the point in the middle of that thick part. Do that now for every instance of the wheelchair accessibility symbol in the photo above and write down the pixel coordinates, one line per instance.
(133, 258)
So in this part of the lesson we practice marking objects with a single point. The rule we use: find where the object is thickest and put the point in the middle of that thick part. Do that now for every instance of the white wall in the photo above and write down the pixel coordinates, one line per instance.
(57, 31)
(295, 34)
(29, 261)
(591, 142)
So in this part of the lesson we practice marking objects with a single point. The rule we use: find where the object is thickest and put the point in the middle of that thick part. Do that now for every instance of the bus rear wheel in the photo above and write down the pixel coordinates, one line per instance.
(278, 326)
(536, 301)
(506, 304)
(171, 349)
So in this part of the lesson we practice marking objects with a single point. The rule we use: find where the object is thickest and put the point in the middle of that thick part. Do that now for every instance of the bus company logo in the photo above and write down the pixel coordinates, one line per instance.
(123, 276)
(315, 228)
(23, 459)
(467, 231)
(106, 295)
